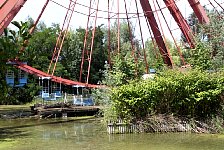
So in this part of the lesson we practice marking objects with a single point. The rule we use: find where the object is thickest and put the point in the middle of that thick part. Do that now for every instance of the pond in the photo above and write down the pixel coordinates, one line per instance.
(59, 134)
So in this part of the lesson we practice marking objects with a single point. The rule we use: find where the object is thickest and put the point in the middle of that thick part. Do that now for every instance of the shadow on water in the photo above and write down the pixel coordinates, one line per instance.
(16, 129)
(90, 134)
(7, 135)
(45, 122)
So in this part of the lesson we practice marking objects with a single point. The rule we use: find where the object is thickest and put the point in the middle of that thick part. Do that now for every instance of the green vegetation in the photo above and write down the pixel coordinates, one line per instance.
(38, 53)
(7, 143)
(209, 52)
(11, 43)
(39, 50)
(194, 93)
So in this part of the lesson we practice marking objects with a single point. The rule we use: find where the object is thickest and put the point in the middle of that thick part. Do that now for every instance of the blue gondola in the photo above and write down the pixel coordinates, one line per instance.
(56, 89)
(45, 92)
(22, 78)
(50, 91)
(82, 97)
(11, 77)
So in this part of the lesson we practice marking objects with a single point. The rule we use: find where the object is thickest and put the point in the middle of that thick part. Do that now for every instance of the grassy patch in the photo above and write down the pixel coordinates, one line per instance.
(14, 107)
(4, 109)
(14, 111)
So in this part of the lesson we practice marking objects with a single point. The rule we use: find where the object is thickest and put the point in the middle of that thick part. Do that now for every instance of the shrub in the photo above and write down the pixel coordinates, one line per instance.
(193, 94)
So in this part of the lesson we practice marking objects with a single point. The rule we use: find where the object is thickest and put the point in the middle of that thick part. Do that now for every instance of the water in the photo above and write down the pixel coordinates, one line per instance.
(91, 135)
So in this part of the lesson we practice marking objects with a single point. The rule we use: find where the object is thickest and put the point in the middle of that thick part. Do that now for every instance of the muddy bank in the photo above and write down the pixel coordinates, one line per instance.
(14, 115)
(15, 111)
(169, 123)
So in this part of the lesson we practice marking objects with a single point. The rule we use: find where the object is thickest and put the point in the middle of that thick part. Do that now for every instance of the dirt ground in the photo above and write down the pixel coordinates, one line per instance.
(14, 111)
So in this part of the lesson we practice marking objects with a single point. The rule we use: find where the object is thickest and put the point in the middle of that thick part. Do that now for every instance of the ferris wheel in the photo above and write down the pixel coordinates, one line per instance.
(155, 19)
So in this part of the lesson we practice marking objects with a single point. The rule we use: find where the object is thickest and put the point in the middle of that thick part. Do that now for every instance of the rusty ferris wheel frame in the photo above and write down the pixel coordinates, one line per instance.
(9, 8)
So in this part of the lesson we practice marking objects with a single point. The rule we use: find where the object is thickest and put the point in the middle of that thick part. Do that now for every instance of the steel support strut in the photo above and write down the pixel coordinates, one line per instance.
(143, 44)
(181, 22)
(33, 27)
(178, 48)
(85, 42)
(92, 43)
(108, 35)
(199, 11)
(61, 37)
(155, 29)
(8, 10)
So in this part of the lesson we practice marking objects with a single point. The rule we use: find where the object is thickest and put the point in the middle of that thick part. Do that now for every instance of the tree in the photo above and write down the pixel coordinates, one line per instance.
(209, 52)
(99, 55)
(200, 56)
(215, 38)
(153, 56)
(8, 49)
(41, 45)
(125, 65)
(10, 44)
(71, 55)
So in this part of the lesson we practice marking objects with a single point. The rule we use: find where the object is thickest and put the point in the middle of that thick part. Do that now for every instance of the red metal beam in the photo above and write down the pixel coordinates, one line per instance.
(33, 27)
(118, 27)
(61, 37)
(142, 40)
(181, 22)
(108, 35)
(85, 50)
(92, 43)
(8, 10)
(178, 48)
(199, 11)
(56, 79)
(155, 29)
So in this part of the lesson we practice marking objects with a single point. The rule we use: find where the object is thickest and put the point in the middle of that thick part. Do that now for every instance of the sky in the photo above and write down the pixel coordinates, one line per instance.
(55, 14)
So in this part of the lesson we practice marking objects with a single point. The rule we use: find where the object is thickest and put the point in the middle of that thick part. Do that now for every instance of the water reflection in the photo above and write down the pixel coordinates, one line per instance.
(92, 135)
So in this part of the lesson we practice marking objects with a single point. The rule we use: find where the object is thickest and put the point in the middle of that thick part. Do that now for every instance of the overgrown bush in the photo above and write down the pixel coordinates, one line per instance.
(20, 95)
(193, 93)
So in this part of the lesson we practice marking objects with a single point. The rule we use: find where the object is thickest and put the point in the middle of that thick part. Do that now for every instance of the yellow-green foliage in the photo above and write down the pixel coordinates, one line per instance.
(193, 93)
